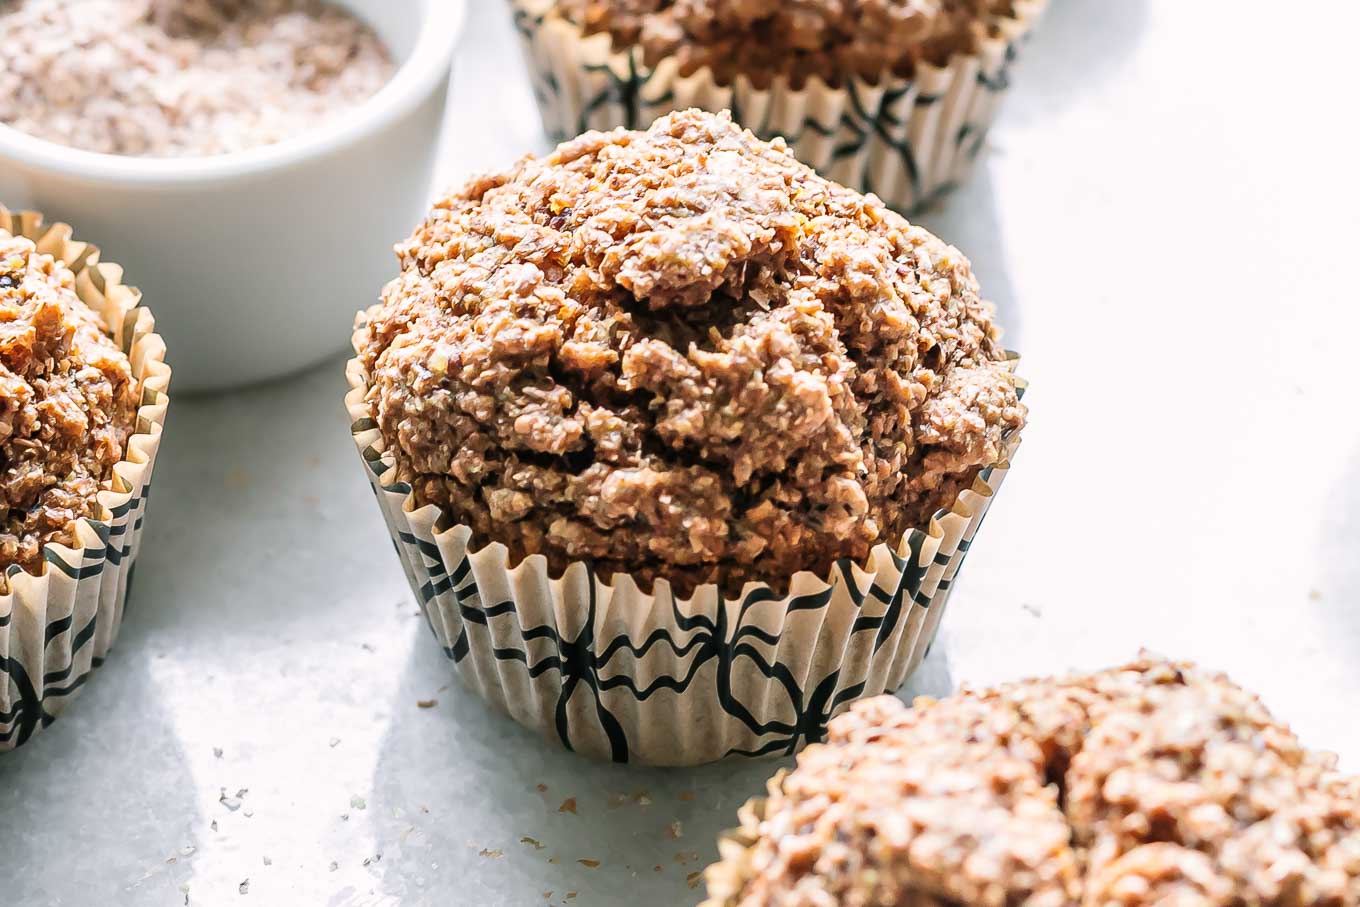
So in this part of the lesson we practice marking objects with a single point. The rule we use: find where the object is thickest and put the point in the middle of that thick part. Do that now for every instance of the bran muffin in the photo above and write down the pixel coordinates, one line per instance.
(83, 397)
(1150, 784)
(68, 404)
(834, 40)
(893, 97)
(680, 354)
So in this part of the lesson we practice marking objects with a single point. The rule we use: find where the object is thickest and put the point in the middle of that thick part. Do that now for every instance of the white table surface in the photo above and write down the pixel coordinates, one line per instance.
(1167, 216)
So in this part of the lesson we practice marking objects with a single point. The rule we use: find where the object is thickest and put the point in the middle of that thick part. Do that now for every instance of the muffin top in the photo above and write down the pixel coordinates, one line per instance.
(681, 354)
(1150, 784)
(67, 404)
(830, 39)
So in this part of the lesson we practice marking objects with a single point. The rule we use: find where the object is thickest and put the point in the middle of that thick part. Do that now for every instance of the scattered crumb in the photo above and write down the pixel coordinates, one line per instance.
(334, 866)
(490, 854)
(1314, 595)
(590, 864)
(643, 800)
(656, 868)
(357, 802)
(344, 817)
(531, 842)
(425, 809)
(268, 862)
(248, 813)
(217, 752)
(367, 647)
(674, 831)
(682, 857)
(547, 895)
(231, 803)
(213, 825)
(335, 741)
(568, 806)
(694, 877)
(542, 788)
(571, 896)
(244, 887)
(172, 860)
(554, 860)
(685, 796)
(427, 703)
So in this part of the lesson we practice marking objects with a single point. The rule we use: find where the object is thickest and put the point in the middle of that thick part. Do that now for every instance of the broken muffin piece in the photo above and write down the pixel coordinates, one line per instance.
(1150, 784)
(680, 354)
(68, 403)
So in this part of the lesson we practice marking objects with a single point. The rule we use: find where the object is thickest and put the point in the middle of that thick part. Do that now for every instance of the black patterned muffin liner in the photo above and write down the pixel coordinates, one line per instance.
(908, 141)
(614, 672)
(56, 628)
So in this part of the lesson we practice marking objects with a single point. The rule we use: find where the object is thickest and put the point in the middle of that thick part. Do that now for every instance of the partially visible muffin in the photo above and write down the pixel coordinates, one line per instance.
(68, 403)
(1150, 784)
(681, 354)
(760, 39)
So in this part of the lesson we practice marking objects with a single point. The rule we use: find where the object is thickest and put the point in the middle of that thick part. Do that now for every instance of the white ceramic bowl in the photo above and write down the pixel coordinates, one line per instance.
(256, 262)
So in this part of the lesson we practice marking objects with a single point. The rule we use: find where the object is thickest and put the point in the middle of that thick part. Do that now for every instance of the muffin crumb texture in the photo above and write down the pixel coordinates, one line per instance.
(178, 78)
(829, 39)
(1151, 784)
(681, 354)
(68, 404)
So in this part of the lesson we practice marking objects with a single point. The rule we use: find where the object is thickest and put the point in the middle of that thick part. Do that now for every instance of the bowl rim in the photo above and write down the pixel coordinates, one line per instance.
(429, 62)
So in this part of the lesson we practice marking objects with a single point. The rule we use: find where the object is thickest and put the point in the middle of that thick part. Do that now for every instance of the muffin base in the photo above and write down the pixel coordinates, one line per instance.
(908, 141)
(615, 672)
(55, 629)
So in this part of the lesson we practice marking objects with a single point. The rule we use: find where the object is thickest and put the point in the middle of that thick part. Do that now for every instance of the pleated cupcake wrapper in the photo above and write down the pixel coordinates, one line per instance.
(616, 673)
(58, 627)
(906, 140)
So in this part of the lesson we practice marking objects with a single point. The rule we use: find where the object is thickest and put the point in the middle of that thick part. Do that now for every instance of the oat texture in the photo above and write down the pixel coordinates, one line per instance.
(682, 354)
(830, 39)
(1151, 784)
(67, 404)
(177, 78)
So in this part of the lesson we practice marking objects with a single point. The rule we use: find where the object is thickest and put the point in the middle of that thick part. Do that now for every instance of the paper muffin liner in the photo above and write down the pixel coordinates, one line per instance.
(55, 629)
(906, 140)
(617, 673)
